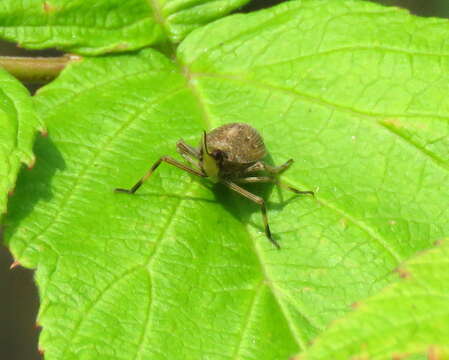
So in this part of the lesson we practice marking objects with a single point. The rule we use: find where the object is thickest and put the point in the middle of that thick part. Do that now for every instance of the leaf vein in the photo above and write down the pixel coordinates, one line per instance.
(247, 318)
(88, 163)
(84, 315)
(367, 229)
(267, 279)
(372, 116)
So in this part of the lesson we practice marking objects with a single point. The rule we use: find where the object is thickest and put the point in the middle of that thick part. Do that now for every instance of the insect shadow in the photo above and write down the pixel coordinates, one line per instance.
(177, 196)
(242, 209)
(228, 155)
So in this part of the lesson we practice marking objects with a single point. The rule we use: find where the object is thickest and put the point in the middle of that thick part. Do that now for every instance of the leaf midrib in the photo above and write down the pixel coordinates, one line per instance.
(371, 232)
(208, 119)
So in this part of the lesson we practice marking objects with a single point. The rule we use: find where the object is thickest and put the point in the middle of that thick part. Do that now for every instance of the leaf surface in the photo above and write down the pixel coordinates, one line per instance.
(18, 126)
(107, 25)
(183, 270)
(408, 317)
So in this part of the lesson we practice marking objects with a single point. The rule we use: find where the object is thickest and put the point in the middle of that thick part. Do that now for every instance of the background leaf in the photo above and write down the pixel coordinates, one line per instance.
(408, 317)
(182, 16)
(354, 92)
(106, 26)
(18, 125)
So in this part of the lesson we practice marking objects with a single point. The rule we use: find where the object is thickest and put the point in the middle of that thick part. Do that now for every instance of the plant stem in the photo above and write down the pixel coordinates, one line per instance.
(35, 70)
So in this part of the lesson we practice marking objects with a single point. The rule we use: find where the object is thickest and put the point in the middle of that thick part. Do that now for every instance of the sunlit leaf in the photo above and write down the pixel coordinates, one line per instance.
(354, 92)
(18, 125)
(87, 27)
(409, 317)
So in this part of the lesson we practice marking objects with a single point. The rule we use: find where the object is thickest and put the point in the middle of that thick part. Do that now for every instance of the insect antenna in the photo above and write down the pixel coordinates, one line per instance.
(205, 143)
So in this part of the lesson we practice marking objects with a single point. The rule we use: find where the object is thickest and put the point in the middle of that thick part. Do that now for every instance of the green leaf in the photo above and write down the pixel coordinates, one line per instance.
(354, 92)
(18, 126)
(183, 16)
(78, 26)
(106, 26)
(408, 317)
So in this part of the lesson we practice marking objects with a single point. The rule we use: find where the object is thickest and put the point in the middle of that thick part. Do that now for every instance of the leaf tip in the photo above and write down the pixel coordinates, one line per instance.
(32, 163)
(14, 264)
(403, 273)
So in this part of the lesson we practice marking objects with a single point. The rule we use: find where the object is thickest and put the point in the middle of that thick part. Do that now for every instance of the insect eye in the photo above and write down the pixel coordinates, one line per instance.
(219, 155)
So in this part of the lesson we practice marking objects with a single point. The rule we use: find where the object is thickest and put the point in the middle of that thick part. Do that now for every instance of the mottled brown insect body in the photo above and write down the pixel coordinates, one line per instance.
(240, 142)
(237, 146)
(228, 154)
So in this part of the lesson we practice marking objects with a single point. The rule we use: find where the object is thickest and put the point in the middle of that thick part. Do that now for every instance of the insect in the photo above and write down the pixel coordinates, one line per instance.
(229, 154)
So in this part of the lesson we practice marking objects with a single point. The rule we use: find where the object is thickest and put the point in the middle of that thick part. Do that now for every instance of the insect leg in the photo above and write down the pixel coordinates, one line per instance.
(267, 179)
(153, 168)
(191, 160)
(261, 166)
(256, 179)
(184, 148)
(278, 169)
(189, 153)
(258, 200)
(258, 166)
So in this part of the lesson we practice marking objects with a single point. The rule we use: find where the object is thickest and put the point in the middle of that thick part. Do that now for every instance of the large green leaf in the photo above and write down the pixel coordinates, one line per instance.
(18, 125)
(354, 92)
(406, 318)
(87, 27)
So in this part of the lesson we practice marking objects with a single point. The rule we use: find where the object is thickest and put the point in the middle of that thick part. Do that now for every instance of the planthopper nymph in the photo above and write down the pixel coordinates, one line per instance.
(232, 155)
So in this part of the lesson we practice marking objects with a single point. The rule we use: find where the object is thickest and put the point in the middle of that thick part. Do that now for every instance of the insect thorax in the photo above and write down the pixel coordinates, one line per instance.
(239, 143)
(227, 151)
